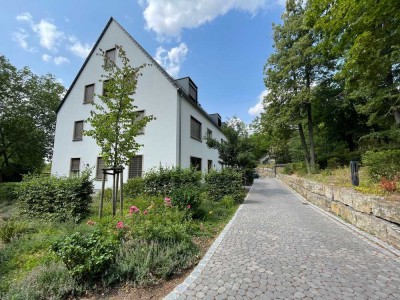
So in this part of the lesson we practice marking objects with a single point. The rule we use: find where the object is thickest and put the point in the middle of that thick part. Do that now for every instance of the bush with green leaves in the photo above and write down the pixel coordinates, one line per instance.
(382, 164)
(48, 281)
(134, 187)
(223, 183)
(87, 257)
(299, 168)
(56, 198)
(163, 180)
(148, 262)
(186, 197)
(8, 192)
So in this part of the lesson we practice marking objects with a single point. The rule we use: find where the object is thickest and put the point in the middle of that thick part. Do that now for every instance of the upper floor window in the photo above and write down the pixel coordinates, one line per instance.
(110, 57)
(78, 131)
(195, 129)
(89, 93)
(209, 133)
(140, 116)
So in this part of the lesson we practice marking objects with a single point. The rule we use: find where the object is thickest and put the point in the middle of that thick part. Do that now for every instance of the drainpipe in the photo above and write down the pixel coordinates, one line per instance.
(179, 126)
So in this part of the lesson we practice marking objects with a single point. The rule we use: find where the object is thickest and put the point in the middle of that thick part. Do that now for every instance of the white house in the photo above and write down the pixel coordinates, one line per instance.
(174, 138)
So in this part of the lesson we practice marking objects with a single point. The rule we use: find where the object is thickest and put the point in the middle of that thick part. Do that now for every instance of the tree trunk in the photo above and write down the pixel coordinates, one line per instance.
(311, 138)
(304, 146)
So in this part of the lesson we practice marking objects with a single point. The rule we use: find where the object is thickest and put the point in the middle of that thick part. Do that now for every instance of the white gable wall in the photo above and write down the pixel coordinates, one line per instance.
(193, 147)
(155, 94)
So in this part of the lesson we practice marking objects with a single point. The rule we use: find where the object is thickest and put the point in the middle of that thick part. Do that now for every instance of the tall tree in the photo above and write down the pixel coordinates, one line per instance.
(28, 105)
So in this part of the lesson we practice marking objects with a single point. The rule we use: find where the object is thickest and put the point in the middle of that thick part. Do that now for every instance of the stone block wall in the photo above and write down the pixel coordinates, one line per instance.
(373, 214)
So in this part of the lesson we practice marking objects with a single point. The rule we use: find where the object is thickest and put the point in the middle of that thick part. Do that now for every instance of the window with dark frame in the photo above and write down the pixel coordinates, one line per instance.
(135, 166)
(104, 87)
(195, 162)
(110, 57)
(209, 165)
(209, 133)
(78, 131)
(140, 116)
(99, 167)
(195, 129)
(89, 94)
(75, 167)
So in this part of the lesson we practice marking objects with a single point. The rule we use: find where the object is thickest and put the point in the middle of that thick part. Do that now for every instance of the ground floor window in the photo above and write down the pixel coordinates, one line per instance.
(195, 162)
(75, 167)
(209, 165)
(136, 166)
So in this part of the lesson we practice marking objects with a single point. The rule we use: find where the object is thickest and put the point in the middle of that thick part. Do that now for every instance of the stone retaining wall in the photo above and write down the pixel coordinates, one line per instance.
(373, 214)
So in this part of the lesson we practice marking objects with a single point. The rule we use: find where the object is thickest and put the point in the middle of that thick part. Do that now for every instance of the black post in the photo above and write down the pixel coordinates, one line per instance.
(354, 167)
(102, 194)
(121, 199)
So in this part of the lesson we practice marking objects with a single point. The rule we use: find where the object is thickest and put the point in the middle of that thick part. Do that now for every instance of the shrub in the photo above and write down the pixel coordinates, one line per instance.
(228, 201)
(148, 262)
(226, 182)
(50, 281)
(8, 192)
(388, 185)
(162, 181)
(299, 168)
(86, 257)
(382, 163)
(186, 197)
(11, 229)
(58, 199)
(134, 187)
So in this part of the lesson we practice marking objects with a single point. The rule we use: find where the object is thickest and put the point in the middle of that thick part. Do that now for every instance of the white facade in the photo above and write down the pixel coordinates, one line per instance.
(166, 141)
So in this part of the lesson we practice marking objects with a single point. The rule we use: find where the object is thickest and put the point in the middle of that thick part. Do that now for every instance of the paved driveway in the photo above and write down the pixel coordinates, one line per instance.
(277, 247)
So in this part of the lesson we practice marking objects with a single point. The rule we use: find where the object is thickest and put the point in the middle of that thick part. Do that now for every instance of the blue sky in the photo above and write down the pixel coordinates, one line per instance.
(221, 44)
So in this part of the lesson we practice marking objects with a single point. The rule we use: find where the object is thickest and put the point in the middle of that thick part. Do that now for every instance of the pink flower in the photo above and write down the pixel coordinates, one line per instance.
(188, 206)
(133, 209)
(90, 222)
(145, 212)
(120, 225)
(167, 201)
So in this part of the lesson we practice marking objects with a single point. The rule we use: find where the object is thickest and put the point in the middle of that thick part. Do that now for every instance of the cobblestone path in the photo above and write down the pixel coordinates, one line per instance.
(279, 248)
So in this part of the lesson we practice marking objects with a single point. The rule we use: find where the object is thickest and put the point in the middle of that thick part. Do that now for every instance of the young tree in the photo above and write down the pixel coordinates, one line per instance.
(115, 122)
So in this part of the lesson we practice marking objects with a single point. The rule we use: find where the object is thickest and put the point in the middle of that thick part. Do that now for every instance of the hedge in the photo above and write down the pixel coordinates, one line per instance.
(224, 183)
(382, 164)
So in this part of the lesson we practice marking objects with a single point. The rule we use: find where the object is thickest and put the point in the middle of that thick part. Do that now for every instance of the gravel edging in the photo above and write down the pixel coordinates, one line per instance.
(180, 289)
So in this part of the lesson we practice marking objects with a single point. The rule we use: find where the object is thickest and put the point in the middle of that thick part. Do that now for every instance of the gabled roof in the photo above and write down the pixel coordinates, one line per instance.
(153, 62)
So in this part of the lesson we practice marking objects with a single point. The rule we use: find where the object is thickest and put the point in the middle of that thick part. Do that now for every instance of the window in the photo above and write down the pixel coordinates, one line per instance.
(75, 167)
(110, 57)
(99, 167)
(209, 165)
(89, 93)
(209, 133)
(139, 117)
(78, 131)
(195, 129)
(104, 87)
(195, 162)
(135, 166)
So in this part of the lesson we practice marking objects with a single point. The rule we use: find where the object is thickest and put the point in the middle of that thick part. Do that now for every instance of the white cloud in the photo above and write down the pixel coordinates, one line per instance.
(59, 60)
(50, 36)
(79, 49)
(171, 60)
(24, 17)
(20, 38)
(46, 57)
(169, 17)
(259, 107)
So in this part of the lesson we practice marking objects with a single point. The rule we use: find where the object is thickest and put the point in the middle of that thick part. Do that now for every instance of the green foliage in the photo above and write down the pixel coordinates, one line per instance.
(134, 187)
(382, 164)
(48, 281)
(163, 180)
(115, 122)
(228, 201)
(298, 168)
(226, 182)
(86, 257)
(186, 197)
(147, 262)
(28, 105)
(53, 198)
(12, 229)
(8, 192)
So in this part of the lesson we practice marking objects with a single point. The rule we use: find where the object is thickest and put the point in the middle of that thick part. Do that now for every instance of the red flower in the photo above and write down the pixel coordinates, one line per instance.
(90, 222)
(188, 206)
(167, 201)
(145, 212)
(120, 225)
(133, 209)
